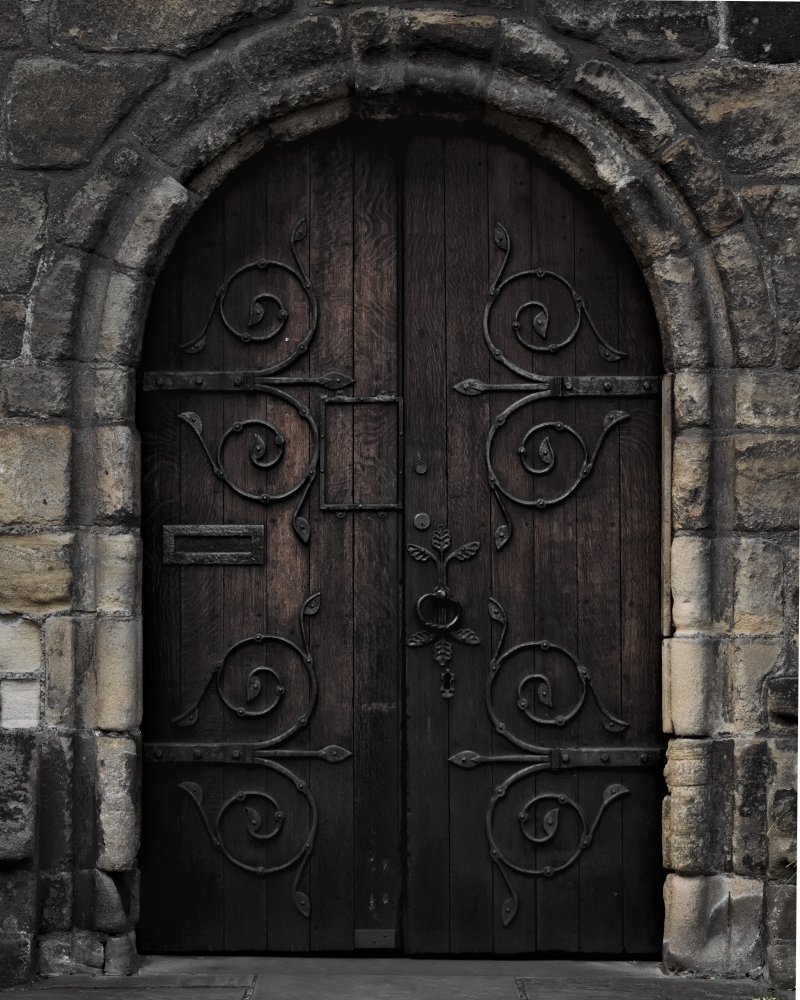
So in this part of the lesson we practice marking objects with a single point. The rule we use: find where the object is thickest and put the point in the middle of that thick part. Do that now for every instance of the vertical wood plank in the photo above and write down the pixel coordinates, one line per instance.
(425, 356)
(331, 551)
(469, 519)
(376, 538)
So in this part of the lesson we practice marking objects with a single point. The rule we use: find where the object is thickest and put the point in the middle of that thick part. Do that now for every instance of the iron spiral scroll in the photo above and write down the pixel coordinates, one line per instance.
(537, 449)
(537, 827)
(259, 812)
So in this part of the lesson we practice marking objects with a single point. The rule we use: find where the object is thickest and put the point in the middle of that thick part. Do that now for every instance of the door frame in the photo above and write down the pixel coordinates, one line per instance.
(146, 232)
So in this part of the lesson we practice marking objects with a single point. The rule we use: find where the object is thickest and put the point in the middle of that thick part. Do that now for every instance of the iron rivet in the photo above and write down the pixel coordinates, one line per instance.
(644, 758)
(604, 757)
(237, 380)
(421, 468)
(198, 380)
(159, 381)
(158, 755)
(237, 754)
(647, 385)
(565, 758)
(607, 386)
(568, 383)
(197, 754)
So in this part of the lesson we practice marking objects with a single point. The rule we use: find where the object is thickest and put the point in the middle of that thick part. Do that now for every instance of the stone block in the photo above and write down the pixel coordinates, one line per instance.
(20, 646)
(635, 30)
(751, 769)
(60, 112)
(681, 315)
(55, 810)
(691, 582)
(531, 53)
(117, 795)
(713, 925)
(120, 302)
(34, 485)
(103, 902)
(767, 401)
(691, 482)
(759, 34)
(689, 673)
(758, 587)
(18, 899)
(113, 394)
(781, 967)
(55, 901)
(290, 49)
(70, 953)
(170, 27)
(80, 215)
(22, 214)
(13, 32)
(118, 581)
(155, 215)
(749, 662)
(782, 697)
(780, 907)
(654, 234)
(749, 313)
(35, 573)
(19, 768)
(19, 704)
(16, 957)
(691, 398)
(464, 34)
(59, 651)
(117, 472)
(701, 183)
(118, 674)
(35, 390)
(628, 104)
(697, 821)
(12, 326)
(121, 956)
(56, 304)
(767, 472)
(781, 832)
(775, 209)
(741, 109)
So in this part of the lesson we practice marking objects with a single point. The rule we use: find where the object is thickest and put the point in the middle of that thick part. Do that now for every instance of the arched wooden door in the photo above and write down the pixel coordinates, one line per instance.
(400, 424)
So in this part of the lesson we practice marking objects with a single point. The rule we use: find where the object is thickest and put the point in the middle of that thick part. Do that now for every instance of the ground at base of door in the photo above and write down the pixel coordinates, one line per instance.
(250, 978)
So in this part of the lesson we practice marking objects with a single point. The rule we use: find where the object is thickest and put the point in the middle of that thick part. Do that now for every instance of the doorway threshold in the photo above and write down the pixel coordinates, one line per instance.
(247, 977)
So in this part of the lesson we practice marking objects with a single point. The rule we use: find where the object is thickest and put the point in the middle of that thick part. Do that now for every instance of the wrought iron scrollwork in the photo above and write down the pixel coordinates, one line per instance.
(267, 445)
(260, 811)
(540, 817)
(264, 305)
(438, 611)
(536, 449)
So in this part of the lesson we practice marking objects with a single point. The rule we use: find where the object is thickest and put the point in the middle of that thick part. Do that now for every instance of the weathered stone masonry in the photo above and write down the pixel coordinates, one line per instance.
(118, 118)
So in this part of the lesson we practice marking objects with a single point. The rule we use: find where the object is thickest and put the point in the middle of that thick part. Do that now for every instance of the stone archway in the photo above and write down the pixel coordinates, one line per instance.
(283, 82)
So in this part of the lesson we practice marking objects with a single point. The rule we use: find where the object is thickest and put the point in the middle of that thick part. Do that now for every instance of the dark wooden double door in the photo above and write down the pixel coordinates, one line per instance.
(400, 429)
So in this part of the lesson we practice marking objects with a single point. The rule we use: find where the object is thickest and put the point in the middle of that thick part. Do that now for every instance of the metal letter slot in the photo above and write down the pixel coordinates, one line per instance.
(213, 544)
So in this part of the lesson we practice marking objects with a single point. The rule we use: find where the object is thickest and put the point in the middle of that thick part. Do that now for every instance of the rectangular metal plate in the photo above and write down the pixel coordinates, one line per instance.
(213, 544)
(373, 938)
(380, 488)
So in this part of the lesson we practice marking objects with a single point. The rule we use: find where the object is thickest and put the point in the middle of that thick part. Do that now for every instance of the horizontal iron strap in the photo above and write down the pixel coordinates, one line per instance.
(237, 381)
(607, 757)
(568, 385)
(234, 753)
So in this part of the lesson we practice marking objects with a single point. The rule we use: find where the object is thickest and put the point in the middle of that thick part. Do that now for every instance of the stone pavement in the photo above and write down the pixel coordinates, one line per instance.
(252, 978)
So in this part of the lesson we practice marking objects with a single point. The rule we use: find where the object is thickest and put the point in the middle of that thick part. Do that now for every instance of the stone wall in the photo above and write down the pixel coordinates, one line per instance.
(119, 117)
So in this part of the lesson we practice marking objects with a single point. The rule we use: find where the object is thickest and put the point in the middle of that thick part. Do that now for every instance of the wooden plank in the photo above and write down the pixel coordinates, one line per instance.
(244, 587)
(555, 529)
(427, 771)
(331, 551)
(376, 538)
(469, 519)
(159, 926)
(513, 569)
(287, 182)
(640, 653)
(598, 566)
(201, 867)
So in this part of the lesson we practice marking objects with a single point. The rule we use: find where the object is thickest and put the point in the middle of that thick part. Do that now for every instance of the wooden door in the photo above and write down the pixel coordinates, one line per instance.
(399, 416)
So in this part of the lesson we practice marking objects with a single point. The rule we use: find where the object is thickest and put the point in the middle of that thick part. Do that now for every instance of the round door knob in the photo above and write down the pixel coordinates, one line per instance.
(422, 521)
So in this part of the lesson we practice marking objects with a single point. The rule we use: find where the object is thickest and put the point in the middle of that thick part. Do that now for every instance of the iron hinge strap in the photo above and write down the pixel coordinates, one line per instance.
(238, 381)
(548, 386)
(562, 758)
(234, 753)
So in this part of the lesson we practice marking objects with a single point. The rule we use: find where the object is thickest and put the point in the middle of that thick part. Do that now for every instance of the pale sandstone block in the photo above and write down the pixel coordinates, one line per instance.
(20, 646)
